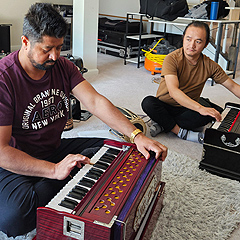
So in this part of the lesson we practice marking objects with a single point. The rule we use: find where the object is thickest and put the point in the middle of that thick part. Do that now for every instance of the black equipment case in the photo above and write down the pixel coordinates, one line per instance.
(117, 50)
(111, 37)
(221, 152)
(118, 25)
(114, 37)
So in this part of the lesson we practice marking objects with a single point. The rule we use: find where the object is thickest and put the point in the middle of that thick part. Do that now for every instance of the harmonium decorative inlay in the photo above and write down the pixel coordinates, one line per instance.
(221, 148)
(118, 196)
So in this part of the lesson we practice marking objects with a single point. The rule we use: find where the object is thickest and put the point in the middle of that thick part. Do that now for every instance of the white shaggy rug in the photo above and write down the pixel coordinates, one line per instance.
(28, 236)
(197, 204)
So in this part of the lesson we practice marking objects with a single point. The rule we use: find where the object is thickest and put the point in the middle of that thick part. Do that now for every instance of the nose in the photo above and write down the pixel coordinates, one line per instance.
(193, 45)
(54, 54)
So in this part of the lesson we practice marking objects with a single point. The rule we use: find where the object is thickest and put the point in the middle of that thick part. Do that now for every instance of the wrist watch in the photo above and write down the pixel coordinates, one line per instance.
(134, 134)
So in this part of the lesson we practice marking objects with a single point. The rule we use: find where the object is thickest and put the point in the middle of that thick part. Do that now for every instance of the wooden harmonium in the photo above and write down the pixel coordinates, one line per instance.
(118, 196)
(221, 148)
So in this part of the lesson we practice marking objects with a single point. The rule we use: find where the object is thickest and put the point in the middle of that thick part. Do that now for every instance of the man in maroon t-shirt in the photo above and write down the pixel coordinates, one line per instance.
(35, 83)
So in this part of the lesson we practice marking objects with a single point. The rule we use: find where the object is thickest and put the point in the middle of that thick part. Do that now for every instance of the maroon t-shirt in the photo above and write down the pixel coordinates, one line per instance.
(37, 110)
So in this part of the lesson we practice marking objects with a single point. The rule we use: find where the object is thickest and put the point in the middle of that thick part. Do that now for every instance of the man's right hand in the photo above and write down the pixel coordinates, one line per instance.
(206, 111)
(63, 168)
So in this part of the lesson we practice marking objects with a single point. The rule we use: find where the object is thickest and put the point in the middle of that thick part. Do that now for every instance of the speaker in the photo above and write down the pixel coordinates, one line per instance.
(5, 38)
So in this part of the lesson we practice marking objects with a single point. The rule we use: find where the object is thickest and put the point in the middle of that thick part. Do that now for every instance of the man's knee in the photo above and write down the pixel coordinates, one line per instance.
(147, 103)
(17, 219)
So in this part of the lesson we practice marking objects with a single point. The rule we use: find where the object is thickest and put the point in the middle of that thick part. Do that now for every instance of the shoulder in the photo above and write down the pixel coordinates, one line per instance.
(10, 68)
(9, 61)
(210, 64)
(69, 71)
(214, 69)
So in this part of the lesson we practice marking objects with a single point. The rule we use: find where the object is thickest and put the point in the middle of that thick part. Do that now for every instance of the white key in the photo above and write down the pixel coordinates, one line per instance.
(54, 203)
(67, 188)
(224, 114)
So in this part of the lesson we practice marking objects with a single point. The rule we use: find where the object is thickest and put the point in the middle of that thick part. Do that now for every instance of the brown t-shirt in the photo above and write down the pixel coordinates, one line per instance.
(191, 77)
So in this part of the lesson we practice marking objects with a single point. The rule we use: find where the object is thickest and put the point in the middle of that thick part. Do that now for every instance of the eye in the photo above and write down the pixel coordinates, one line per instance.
(59, 48)
(46, 50)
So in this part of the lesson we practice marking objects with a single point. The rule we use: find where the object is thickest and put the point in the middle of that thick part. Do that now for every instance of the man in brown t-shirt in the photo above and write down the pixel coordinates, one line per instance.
(177, 106)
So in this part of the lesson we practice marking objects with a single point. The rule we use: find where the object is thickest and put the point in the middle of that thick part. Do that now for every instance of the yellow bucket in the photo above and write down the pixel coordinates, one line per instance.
(158, 58)
(153, 62)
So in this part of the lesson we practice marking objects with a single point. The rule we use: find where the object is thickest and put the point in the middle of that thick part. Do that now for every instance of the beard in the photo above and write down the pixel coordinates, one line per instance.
(42, 66)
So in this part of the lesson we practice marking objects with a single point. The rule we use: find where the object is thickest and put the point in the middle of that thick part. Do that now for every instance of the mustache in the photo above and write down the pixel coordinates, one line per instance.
(50, 61)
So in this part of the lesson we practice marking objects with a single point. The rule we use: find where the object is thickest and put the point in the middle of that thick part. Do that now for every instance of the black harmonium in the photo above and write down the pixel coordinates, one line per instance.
(221, 148)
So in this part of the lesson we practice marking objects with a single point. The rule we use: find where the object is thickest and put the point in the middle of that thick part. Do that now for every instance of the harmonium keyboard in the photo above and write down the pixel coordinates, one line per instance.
(118, 196)
(221, 148)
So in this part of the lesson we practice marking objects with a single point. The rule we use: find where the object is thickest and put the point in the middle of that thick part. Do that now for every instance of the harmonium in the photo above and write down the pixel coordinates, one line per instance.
(221, 148)
(118, 196)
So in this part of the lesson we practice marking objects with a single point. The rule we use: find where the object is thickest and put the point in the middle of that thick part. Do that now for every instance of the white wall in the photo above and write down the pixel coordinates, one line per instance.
(85, 33)
(13, 12)
(118, 7)
(121, 7)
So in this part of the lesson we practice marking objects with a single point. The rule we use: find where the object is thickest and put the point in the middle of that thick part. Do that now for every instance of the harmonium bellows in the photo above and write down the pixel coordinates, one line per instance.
(221, 148)
(118, 196)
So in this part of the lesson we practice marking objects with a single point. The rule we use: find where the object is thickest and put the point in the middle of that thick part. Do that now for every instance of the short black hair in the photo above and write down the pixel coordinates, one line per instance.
(42, 19)
(199, 24)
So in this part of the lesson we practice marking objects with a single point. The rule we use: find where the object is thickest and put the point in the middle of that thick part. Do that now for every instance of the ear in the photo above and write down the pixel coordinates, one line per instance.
(25, 42)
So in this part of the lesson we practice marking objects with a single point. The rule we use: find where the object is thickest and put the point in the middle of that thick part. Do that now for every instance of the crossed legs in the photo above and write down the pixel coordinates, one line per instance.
(174, 119)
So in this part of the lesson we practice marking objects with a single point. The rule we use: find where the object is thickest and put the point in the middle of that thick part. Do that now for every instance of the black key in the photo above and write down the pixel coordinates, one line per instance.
(113, 151)
(228, 120)
(86, 182)
(236, 126)
(68, 203)
(106, 160)
(94, 174)
(101, 165)
(97, 171)
(75, 195)
(80, 190)
(108, 155)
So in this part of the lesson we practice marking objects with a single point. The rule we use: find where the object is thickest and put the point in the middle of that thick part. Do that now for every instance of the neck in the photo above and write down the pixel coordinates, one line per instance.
(32, 72)
(193, 59)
